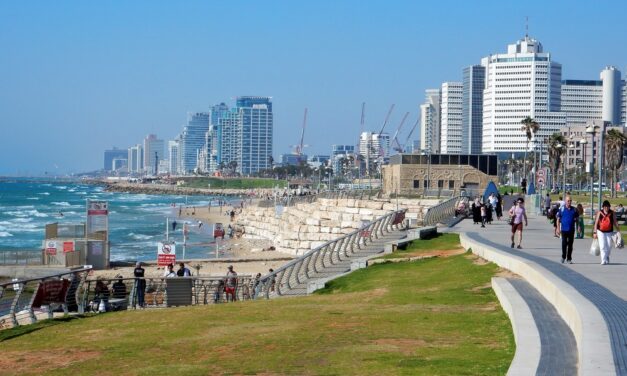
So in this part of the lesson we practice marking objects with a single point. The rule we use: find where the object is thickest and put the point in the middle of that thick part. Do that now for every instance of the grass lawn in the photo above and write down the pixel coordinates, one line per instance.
(430, 317)
(233, 183)
(441, 242)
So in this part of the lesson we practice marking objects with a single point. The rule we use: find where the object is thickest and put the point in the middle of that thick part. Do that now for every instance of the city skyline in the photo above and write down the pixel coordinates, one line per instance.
(81, 78)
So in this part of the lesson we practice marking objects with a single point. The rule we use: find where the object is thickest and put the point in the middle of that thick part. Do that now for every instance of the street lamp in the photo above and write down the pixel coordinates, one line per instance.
(583, 144)
(591, 130)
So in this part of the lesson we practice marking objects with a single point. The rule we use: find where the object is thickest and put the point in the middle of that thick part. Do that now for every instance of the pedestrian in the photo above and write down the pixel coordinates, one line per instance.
(199, 224)
(566, 218)
(232, 214)
(604, 225)
(518, 213)
(580, 226)
(231, 284)
(183, 271)
(169, 271)
(476, 211)
(547, 204)
(174, 225)
(273, 280)
(499, 207)
(230, 232)
(484, 214)
(140, 283)
(523, 186)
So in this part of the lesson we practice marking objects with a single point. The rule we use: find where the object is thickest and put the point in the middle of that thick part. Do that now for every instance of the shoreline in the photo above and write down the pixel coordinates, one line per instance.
(167, 189)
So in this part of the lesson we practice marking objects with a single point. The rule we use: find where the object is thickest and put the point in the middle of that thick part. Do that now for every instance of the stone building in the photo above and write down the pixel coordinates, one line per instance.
(439, 173)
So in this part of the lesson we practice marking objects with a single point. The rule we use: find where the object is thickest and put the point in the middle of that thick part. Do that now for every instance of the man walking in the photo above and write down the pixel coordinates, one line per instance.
(566, 218)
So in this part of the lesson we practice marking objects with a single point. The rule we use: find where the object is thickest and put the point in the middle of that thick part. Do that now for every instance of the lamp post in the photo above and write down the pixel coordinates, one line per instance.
(591, 130)
(600, 161)
(583, 144)
(571, 146)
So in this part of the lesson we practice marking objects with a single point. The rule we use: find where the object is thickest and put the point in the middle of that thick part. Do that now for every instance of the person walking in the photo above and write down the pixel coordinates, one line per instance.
(476, 211)
(231, 284)
(547, 204)
(580, 225)
(140, 283)
(499, 207)
(518, 213)
(523, 186)
(484, 214)
(604, 225)
(567, 216)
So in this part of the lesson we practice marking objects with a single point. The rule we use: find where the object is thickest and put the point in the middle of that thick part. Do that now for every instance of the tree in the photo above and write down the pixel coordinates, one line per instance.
(614, 144)
(530, 127)
(557, 146)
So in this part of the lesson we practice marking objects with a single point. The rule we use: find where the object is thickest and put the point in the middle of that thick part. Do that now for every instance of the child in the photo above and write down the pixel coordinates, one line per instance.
(484, 215)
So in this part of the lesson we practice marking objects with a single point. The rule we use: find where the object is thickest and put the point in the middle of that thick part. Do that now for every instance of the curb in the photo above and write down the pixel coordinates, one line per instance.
(584, 319)
(528, 346)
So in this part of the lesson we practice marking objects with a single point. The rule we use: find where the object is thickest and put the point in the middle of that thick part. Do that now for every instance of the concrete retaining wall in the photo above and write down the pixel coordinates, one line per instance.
(309, 225)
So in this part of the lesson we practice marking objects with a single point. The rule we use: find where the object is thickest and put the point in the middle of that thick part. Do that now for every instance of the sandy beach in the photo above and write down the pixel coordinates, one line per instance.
(248, 256)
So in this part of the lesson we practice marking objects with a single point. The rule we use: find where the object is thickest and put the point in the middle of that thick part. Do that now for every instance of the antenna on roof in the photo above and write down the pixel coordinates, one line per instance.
(526, 27)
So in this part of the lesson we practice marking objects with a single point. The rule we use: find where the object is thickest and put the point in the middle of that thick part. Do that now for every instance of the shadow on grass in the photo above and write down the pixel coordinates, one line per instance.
(21, 330)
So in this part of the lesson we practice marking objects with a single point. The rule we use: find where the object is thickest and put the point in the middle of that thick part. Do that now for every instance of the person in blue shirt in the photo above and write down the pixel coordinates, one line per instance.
(566, 218)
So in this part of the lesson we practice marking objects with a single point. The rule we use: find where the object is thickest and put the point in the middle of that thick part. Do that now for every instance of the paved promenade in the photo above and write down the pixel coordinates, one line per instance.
(604, 286)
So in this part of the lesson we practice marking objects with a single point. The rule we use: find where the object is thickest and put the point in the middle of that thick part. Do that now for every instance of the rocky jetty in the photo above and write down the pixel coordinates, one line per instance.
(180, 190)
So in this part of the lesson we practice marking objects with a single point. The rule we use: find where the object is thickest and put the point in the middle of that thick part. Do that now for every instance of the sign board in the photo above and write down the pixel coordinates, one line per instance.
(218, 230)
(51, 248)
(68, 247)
(97, 216)
(540, 180)
(166, 254)
(49, 292)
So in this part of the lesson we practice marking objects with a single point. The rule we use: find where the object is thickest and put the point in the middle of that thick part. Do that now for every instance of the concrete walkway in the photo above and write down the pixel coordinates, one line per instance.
(602, 287)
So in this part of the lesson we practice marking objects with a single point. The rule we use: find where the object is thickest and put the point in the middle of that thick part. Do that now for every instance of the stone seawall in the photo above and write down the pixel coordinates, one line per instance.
(308, 225)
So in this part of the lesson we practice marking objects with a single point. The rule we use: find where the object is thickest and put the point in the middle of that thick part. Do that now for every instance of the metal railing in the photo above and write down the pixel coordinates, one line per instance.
(444, 212)
(291, 200)
(26, 301)
(20, 257)
(295, 274)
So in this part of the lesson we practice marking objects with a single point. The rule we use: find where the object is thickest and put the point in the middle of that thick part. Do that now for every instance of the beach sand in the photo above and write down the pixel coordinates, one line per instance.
(248, 256)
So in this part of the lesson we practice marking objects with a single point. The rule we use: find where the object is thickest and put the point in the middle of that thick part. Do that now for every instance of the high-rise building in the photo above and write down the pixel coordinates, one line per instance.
(111, 154)
(451, 118)
(256, 133)
(523, 82)
(153, 153)
(582, 101)
(430, 121)
(338, 152)
(612, 95)
(174, 160)
(136, 159)
(193, 140)
(472, 109)
(374, 145)
(225, 138)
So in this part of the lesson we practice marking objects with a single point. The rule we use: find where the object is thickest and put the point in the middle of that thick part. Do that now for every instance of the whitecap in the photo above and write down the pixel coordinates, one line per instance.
(22, 220)
(5, 234)
(139, 236)
(33, 198)
(62, 203)
(44, 193)
(61, 187)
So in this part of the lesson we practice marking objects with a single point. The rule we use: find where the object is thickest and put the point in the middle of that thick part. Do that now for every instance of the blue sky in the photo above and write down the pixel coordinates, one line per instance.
(79, 77)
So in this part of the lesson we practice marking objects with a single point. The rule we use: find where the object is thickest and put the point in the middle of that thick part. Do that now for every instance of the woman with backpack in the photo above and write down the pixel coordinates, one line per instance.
(604, 226)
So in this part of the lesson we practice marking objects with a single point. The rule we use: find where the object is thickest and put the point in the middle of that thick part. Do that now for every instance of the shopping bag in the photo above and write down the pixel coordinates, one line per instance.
(617, 238)
(595, 250)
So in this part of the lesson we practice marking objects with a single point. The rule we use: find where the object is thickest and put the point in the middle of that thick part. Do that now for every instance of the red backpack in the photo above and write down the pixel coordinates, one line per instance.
(605, 221)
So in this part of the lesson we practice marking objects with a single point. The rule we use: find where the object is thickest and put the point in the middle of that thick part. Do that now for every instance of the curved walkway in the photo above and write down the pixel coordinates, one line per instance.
(589, 297)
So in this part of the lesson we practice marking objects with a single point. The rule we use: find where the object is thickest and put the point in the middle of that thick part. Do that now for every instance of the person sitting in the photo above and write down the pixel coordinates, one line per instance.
(169, 271)
(119, 289)
(102, 293)
(620, 212)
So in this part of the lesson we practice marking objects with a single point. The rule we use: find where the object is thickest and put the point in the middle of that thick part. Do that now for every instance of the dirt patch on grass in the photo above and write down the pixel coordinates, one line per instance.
(43, 360)
(481, 287)
(507, 274)
(477, 260)
(403, 345)
(436, 253)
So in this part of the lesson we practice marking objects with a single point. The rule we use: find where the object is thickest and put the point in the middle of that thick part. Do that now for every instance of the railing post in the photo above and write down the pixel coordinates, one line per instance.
(13, 309)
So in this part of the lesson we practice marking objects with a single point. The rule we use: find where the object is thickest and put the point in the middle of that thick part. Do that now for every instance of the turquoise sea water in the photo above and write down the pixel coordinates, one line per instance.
(136, 221)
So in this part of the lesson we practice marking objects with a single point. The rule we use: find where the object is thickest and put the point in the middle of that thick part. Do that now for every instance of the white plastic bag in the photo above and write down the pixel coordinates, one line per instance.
(595, 250)
(617, 238)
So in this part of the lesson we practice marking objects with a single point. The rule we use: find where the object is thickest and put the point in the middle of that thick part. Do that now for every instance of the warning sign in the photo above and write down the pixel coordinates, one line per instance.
(166, 254)
(68, 247)
(51, 248)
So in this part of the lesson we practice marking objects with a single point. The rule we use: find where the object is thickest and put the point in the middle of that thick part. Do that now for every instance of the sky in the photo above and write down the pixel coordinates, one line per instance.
(77, 78)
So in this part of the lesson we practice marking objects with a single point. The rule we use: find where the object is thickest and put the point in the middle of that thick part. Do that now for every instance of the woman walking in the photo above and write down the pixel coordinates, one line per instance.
(517, 212)
(604, 225)
(580, 226)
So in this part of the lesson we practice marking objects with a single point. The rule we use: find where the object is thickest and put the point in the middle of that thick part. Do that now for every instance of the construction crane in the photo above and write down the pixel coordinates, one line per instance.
(298, 149)
(410, 133)
(395, 143)
(387, 118)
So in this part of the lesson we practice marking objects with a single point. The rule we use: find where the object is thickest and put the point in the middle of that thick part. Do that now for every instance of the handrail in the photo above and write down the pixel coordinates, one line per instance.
(299, 270)
(442, 212)
(292, 200)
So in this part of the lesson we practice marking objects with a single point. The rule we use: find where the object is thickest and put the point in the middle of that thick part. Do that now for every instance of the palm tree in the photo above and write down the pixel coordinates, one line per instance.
(614, 144)
(556, 148)
(530, 127)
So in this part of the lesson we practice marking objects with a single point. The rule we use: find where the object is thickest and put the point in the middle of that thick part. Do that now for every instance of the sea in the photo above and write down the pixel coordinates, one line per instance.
(137, 222)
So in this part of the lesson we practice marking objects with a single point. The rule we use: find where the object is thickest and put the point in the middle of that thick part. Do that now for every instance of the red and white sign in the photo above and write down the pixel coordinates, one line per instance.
(166, 254)
(51, 248)
(68, 247)
(97, 208)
